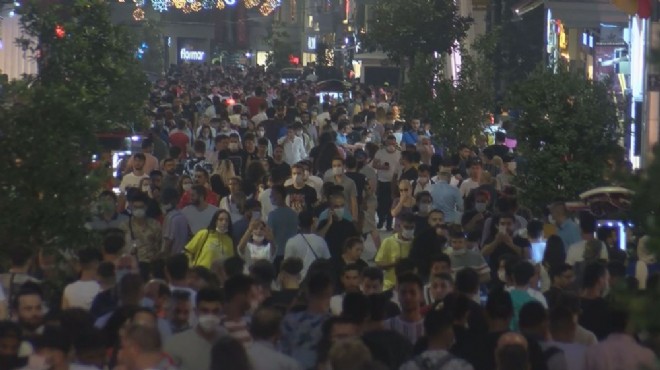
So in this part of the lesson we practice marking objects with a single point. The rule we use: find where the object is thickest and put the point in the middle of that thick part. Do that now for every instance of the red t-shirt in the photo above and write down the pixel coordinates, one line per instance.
(211, 198)
(181, 140)
(253, 103)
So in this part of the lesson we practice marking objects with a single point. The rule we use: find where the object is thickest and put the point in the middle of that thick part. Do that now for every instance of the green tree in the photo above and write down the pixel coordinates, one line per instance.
(566, 132)
(280, 46)
(88, 82)
(402, 29)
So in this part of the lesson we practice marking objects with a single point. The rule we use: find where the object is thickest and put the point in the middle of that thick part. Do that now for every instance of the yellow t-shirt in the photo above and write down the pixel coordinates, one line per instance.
(207, 246)
(391, 250)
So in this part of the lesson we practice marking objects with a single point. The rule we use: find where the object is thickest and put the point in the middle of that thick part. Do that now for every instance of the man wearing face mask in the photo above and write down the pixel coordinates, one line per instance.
(190, 349)
(107, 217)
(473, 220)
(394, 248)
(175, 224)
(386, 161)
(143, 234)
(334, 225)
(423, 181)
(424, 203)
(350, 189)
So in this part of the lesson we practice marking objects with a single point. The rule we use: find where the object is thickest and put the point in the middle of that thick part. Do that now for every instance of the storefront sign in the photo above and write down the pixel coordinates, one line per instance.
(191, 55)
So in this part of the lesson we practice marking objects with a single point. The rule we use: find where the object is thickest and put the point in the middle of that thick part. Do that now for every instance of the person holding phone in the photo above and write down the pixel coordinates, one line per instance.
(386, 162)
(503, 242)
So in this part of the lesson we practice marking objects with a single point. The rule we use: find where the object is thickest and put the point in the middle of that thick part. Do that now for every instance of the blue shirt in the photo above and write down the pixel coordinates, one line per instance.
(341, 139)
(447, 198)
(410, 137)
(284, 223)
(569, 232)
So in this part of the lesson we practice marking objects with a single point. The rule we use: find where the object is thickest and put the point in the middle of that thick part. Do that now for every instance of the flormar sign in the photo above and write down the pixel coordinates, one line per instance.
(191, 55)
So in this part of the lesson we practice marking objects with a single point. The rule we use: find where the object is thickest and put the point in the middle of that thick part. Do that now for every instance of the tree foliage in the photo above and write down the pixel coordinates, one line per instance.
(402, 29)
(566, 132)
(88, 82)
(280, 47)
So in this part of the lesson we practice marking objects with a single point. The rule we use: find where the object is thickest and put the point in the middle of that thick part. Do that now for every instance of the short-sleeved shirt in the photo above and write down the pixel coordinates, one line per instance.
(386, 157)
(391, 250)
(147, 238)
(208, 246)
(175, 228)
(307, 247)
(198, 220)
(301, 333)
(471, 259)
(350, 190)
(301, 199)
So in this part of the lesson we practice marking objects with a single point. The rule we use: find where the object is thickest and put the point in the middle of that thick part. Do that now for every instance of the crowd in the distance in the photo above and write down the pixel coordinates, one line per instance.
(246, 234)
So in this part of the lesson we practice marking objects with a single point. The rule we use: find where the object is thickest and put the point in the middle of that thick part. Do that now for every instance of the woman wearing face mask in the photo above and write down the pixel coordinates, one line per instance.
(212, 243)
(256, 244)
(404, 203)
(184, 185)
(473, 220)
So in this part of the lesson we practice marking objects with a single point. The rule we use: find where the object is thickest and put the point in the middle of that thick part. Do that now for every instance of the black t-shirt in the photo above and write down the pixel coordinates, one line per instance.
(482, 355)
(595, 316)
(502, 250)
(410, 174)
(496, 150)
(337, 234)
(424, 246)
(301, 199)
(282, 299)
(552, 296)
(388, 347)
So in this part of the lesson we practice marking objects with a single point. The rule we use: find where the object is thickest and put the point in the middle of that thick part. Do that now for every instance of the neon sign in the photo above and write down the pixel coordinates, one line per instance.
(191, 55)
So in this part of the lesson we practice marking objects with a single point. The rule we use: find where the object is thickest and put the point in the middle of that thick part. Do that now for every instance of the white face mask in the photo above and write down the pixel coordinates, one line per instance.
(186, 187)
(233, 146)
(221, 229)
(208, 323)
(391, 148)
(511, 166)
(423, 180)
(339, 212)
(257, 238)
(337, 171)
(139, 213)
(367, 139)
(261, 133)
(458, 252)
(408, 234)
(299, 179)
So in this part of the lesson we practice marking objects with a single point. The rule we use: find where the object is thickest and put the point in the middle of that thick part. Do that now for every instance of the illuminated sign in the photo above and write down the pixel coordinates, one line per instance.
(191, 55)
(311, 42)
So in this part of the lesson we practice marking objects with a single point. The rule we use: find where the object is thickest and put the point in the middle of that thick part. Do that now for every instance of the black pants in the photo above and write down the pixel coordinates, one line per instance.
(384, 195)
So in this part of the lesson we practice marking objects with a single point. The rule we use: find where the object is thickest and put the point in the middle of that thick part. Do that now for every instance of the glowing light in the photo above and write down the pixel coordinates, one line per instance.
(220, 4)
(59, 31)
(139, 3)
(11, 13)
(208, 4)
(160, 5)
(179, 4)
(138, 14)
(249, 4)
(230, 2)
(196, 6)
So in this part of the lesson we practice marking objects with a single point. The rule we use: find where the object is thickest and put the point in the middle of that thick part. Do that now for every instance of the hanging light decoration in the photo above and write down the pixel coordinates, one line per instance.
(267, 7)
(220, 4)
(139, 3)
(196, 6)
(208, 4)
(249, 4)
(160, 5)
(138, 14)
(179, 4)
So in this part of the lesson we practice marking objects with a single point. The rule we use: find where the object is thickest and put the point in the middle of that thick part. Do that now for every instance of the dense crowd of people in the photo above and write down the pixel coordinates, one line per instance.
(272, 227)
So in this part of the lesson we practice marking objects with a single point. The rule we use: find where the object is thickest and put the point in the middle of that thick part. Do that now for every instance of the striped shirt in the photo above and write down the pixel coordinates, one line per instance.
(410, 330)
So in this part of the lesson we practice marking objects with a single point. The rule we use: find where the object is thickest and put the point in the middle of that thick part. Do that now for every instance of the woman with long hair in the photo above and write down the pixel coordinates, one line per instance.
(553, 257)
(222, 173)
(213, 243)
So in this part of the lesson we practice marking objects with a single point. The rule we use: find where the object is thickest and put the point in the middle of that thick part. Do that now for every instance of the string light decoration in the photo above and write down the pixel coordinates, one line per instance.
(139, 3)
(249, 4)
(160, 5)
(267, 7)
(179, 4)
(208, 4)
(195, 7)
(138, 14)
(220, 4)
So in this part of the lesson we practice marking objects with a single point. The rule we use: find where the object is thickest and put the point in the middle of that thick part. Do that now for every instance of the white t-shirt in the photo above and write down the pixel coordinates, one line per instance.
(130, 180)
(336, 304)
(386, 157)
(576, 252)
(467, 186)
(266, 205)
(307, 247)
(81, 294)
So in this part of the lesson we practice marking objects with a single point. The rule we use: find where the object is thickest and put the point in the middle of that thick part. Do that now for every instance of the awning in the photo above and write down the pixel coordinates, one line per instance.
(586, 13)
